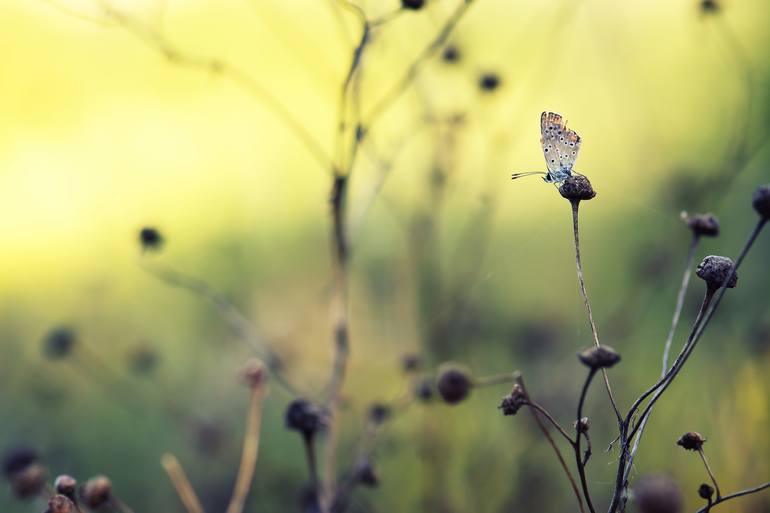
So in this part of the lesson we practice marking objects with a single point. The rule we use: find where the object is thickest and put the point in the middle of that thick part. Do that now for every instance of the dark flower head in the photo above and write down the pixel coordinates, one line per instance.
(66, 485)
(702, 225)
(489, 82)
(411, 362)
(602, 357)
(657, 494)
(379, 413)
(366, 475)
(577, 188)
(583, 426)
(150, 239)
(514, 401)
(254, 373)
(423, 389)
(454, 385)
(17, 459)
(691, 441)
(705, 491)
(413, 5)
(305, 417)
(709, 6)
(451, 54)
(29, 482)
(714, 270)
(761, 201)
(96, 492)
(59, 342)
(60, 504)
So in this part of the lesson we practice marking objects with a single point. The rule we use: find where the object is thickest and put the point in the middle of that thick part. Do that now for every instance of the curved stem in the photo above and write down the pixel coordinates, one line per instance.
(550, 418)
(249, 453)
(735, 495)
(711, 474)
(576, 444)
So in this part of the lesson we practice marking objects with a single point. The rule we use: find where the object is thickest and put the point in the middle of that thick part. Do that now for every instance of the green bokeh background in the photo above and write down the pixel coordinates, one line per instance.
(100, 135)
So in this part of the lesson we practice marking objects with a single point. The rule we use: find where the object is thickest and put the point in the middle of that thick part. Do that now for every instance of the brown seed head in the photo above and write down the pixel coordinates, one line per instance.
(702, 225)
(66, 485)
(761, 201)
(691, 441)
(602, 357)
(454, 385)
(583, 426)
(714, 270)
(254, 373)
(29, 482)
(514, 401)
(96, 492)
(705, 491)
(60, 504)
(577, 188)
(657, 494)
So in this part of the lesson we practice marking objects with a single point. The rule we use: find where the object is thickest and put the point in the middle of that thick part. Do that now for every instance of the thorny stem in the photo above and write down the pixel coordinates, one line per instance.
(553, 445)
(576, 443)
(581, 280)
(667, 346)
(711, 474)
(249, 452)
(181, 484)
(735, 495)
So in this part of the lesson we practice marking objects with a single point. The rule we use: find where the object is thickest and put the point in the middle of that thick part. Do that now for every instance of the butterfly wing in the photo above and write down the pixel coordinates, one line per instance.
(560, 146)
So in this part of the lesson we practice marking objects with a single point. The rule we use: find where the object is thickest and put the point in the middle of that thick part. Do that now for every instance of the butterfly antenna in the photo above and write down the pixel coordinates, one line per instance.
(514, 176)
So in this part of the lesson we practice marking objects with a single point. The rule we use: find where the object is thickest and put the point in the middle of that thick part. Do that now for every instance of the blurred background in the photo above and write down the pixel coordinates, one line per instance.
(105, 130)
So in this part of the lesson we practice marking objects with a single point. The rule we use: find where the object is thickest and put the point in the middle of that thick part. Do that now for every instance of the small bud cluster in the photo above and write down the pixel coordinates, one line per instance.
(514, 401)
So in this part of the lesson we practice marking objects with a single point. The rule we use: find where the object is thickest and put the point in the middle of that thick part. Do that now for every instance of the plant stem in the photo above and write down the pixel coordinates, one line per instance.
(249, 453)
(550, 418)
(181, 484)
(735, 495)
(576, 443)
(711, 474)
(581, 280)
(496, 379)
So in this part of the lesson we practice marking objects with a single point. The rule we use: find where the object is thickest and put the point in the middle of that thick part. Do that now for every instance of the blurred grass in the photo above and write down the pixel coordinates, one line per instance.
(99, 136)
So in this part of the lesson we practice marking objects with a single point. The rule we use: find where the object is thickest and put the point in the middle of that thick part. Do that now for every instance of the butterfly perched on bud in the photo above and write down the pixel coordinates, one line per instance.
(560, 148)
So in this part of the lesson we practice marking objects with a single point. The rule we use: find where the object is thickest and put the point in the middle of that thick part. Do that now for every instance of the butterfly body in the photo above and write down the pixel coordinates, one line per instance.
(560, 148)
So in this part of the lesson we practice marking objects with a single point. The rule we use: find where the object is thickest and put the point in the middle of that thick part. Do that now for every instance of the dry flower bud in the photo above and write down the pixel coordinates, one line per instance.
(583, 426)
(58, 343)
(17, 459)
(657, 494)
(60, 504)
(691, 441)
(379, 413)
(29, 482)
(489, 82)
(96, 492)
(150, 239)
(412, 5)
(366, 475)
(305, 417)
(702, 225)
(602, 357)
(577, 188)
(705, 491)
(714, 270)
(454, 385)
(66, 485)
(451, 54)
(514, 401)
(709, 6)
(761, 201)
(254, 373)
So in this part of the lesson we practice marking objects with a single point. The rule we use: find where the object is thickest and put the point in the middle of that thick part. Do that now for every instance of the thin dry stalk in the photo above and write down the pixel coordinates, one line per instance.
(181, 484)
(249, 453)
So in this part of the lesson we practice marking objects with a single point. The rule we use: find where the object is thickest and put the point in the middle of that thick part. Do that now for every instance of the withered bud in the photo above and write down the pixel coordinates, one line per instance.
(60, 504)
(66, 485)
(423, 389)
(761, 201)
(96, 492)
(602, 357)
(702, 225)
(454, 385)
(150, 239)
(379, 413)
(29, 482)
(514, 401)
(577, 188)
(714, 270)
(691, 441)
(254, 373)
(59, 342)
(709, 6)
(489, 82)
(412, 5)
(17, 459)
(705, 491)
(305, 417)
(366, 475)
(583, 426)
(451, 54)
(657, 494)
(411, 362)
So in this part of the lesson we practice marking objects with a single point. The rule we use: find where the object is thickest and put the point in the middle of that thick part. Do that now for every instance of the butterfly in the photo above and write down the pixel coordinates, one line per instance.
(560, 148)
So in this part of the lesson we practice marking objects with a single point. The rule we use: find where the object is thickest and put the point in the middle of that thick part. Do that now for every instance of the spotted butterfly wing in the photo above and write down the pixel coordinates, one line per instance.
(560, 147)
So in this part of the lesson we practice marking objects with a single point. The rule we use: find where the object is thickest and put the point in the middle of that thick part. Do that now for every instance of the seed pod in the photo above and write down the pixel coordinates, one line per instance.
(657, 494)
(691, 441)
(366, 475)
(150, 239)
(379, 413)
(423, 389)
(412, 5)
(514, 401)
(577, 188)
(761, 201)
(489, 82)
(17, 459)
(451, 54)
(602, 357)
(60, 504)
(454, 385)
(305, 417)
(96, 492)
(583, 426)
(59, 343)
(705, 491)
(254, 373)
(29, 482)
(702, 225)
(714, 270)
(66, 485)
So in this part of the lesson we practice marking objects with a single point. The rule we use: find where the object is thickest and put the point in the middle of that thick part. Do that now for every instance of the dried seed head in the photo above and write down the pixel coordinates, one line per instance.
(657, 494)
(305, 417)
(58, 343)
(489, 82)
(702, 225)
(761, 201)
(583, 426)
(411, 362)
(451, 54)
(379, 413)
(254, 373)
(66, 485)
(60, 504)
(709, 6)
(514, 401)
(413, 5)
(454, 385)
(17, 459)
(29, 482)
(691, 441)
(602, 357)
(705, 491)
(96, 492)
(577, 188)
(150, 239)
(366, 475)
(714, 270)
(423, 389)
